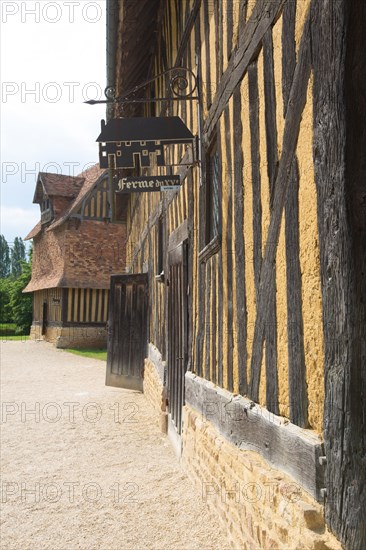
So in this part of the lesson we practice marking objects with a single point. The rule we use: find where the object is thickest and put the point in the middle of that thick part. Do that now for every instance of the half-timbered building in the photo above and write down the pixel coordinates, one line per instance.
(245, 294)
(75, 251)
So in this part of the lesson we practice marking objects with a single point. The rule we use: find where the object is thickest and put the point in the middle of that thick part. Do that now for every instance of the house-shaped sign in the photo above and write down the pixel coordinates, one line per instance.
(140, 141)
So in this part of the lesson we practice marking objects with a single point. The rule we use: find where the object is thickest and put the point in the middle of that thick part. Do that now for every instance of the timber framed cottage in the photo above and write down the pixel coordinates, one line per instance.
(75, 251)
(245, 285)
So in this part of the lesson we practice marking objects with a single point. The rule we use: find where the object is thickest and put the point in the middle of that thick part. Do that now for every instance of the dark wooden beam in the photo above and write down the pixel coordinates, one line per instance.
(187, 32)
(291, 132)
(213, 325)
(295, 330)
(256, 257)
(264, 14)
(251, 427)
(240, 298)
(339, 64)
(207, 53)
(272, 166)
(229, 17)
(229, 251)
(208, 334)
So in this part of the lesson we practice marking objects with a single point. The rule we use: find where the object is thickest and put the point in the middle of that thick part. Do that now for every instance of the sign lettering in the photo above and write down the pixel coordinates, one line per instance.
(146, 184)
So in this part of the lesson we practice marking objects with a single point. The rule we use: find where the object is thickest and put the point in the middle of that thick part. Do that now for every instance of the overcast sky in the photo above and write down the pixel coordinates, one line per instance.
(51, 54)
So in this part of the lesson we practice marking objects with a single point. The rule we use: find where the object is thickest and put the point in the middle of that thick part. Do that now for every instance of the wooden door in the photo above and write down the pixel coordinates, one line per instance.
(127, 331)
(177, 333)
(44, 318)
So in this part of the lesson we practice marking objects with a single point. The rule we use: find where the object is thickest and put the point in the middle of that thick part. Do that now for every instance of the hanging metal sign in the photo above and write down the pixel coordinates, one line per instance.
(140, 141)
(146, 184)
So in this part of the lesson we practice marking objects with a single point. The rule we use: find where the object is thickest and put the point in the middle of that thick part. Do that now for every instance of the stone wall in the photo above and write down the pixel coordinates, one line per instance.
(260, 507)
(72, 337)
(154, 389)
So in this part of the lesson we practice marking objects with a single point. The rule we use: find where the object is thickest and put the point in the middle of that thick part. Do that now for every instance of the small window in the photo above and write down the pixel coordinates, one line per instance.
(142, 143)
(212, 195)
(119, 154)
(145, 152)
(128, 143)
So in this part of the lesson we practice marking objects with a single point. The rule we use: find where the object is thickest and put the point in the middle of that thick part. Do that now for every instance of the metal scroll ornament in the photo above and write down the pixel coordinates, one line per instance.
(182, 86)
(183, 83)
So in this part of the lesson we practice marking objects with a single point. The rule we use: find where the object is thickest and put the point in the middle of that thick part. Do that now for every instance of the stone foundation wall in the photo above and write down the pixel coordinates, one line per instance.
(35, 333)
(154, 389)
(71, 337)
(260, 507)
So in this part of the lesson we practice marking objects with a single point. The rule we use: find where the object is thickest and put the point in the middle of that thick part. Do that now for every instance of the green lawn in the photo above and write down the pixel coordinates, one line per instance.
(7, 332)
(6, 337)
(7, 329)
(92, 353)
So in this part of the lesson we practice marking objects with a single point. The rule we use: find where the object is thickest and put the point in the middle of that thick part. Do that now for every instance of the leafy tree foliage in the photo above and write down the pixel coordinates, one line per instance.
(4, 257)
(21, 304)
(6, 315)
(15, 307)
(17, 256)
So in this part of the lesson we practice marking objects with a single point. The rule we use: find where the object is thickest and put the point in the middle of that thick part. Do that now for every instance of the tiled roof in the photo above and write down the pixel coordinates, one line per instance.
(59, 185)
(60, 281)
(35, 231)
(91, 176)
(51, 280)
(76, 188)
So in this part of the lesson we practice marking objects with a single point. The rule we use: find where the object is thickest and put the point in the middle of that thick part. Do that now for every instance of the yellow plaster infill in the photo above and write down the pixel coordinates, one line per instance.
(106, 301)
(302, 7)
(310, 269)
(233, 255)
(223, 39)
(250, 8)
(211, 267)
(213, 53)
(94, 302)
(224, 207)
(203, 63)
(235, 6)
(81, 305)
(281, 282)
(195, 240)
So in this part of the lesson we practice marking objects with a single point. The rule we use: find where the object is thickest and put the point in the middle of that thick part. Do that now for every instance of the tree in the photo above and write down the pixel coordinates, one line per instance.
(4, 258)
(17, 256)
(21, 304)
(6, 315)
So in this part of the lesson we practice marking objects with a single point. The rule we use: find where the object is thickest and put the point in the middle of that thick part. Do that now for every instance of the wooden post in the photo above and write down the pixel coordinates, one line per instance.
(339, 62)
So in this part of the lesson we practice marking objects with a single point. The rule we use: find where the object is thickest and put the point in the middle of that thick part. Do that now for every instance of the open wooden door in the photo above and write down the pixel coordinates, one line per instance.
(177, 333)
(44, 318)
(128, 331)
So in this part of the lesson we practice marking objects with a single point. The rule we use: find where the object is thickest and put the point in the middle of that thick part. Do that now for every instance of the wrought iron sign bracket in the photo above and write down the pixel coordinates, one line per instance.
(183, 86)
(141, 143)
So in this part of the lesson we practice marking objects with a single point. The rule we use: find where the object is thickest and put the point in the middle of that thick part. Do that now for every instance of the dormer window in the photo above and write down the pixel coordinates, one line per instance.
(45, 205)
(46, 213)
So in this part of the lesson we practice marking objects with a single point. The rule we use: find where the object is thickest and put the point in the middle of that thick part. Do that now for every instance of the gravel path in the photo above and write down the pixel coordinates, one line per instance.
(88, 469)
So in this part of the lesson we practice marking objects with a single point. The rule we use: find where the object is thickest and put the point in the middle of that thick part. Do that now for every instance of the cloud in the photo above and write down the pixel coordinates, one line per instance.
(36, 131)
(17, 222)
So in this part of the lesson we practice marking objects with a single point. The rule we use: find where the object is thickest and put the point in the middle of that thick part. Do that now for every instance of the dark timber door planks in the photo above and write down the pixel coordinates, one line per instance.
(128, 331)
